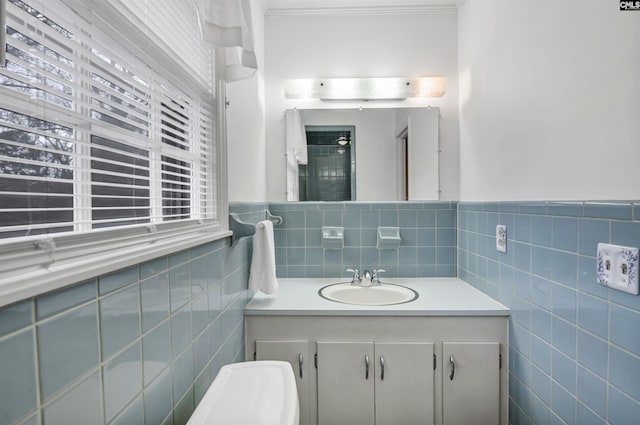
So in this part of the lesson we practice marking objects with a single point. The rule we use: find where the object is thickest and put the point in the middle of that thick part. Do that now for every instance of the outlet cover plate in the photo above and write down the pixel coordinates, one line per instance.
(617, 267)
(501, 238)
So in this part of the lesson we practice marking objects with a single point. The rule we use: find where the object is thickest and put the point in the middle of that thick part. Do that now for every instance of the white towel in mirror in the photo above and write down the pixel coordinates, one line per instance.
(296, 136)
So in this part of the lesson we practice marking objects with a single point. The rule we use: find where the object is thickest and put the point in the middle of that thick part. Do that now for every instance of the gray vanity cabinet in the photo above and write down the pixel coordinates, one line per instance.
(339, 391)
(300, 354)
(471, 383)
(345, 383)
(382, 383)
(407, 365)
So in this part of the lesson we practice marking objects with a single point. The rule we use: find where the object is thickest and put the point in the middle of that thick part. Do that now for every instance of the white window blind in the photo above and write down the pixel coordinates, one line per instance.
(174, 25)
(108, 150)
(93, 137)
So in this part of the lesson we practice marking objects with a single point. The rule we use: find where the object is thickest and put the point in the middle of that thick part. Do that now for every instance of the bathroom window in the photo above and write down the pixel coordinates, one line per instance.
(106, 130)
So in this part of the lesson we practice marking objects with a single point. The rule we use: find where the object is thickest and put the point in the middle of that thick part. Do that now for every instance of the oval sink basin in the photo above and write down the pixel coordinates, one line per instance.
(383, 294)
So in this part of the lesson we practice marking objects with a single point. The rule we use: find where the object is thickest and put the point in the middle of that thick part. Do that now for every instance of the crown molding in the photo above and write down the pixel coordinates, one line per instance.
(364, 10)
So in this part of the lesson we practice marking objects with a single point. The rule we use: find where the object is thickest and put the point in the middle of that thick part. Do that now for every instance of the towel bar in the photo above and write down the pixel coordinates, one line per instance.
(242, 229)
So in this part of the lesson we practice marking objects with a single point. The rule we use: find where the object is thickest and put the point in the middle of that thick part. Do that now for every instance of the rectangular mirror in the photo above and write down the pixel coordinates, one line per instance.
(373, 154)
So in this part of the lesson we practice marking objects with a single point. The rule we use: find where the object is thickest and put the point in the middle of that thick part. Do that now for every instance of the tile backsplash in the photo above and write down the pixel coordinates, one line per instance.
(138, 346)
(427, 229)
(574, 346)
(141, 345)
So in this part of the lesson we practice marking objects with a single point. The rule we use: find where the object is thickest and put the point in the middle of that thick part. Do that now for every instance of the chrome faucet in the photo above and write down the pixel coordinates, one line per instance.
(375, 279)
(367, 277)
(355, 280)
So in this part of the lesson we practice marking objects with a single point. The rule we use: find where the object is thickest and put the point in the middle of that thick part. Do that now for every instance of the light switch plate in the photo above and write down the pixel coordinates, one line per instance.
(617, 267)
(501, 238)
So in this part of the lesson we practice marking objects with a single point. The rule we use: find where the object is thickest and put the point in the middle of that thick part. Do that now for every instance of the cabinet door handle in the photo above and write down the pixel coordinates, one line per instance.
(300, 361)
(381, 367)
(366, 366)
(452, 363)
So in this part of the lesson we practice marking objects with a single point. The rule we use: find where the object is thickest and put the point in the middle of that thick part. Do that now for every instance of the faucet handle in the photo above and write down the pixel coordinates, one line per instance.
(356, 275)
(376, 275)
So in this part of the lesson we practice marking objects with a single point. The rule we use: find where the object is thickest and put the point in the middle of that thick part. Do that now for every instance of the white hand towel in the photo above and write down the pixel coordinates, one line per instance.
(263, 261)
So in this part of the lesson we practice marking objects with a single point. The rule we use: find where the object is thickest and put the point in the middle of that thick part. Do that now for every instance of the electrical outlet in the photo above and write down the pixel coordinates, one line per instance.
(617, 267)
(501, 238)
(605, 264)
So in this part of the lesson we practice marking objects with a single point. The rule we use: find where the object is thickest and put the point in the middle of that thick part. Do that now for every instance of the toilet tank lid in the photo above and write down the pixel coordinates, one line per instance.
(258, 392)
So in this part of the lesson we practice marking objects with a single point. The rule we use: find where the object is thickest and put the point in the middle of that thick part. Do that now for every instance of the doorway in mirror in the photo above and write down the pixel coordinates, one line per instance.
(403, 164)
(330, 171)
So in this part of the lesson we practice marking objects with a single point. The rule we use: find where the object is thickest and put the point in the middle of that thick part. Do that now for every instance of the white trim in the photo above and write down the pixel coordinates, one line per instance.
(220, 148)
(364, 10)
(42, 264)
(3, 31)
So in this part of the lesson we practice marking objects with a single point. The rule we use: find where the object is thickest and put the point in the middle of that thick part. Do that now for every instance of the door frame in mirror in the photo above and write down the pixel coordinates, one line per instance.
(352, 153)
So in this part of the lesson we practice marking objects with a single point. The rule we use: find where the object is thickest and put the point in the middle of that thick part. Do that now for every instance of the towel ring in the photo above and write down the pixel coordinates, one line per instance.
(243, 229)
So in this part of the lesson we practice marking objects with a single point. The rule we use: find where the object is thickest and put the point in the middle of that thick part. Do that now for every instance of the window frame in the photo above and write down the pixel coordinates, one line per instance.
(33, 265)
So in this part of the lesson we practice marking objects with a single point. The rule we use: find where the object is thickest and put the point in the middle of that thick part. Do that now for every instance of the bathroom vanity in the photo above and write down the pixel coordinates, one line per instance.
(439, 359)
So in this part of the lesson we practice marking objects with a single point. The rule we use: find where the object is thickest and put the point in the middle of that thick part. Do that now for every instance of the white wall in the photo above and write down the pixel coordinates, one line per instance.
(246, 146)
(359, 45)
(549, 100)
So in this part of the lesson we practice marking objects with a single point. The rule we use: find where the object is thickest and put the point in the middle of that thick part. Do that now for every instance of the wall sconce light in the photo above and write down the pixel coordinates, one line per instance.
(385, 88)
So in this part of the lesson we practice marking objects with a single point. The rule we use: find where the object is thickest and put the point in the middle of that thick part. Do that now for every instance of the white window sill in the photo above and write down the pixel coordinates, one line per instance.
(38, 265)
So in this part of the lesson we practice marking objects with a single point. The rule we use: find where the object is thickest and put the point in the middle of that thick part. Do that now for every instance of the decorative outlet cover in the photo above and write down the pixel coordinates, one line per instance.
(617, 267)
(501, 238)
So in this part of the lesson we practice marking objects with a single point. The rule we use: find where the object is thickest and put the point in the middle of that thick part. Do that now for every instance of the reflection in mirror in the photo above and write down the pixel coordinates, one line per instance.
(395, 157)
(329, 174)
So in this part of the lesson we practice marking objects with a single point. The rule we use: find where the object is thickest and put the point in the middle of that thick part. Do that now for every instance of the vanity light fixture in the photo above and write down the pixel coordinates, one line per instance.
(384, 88)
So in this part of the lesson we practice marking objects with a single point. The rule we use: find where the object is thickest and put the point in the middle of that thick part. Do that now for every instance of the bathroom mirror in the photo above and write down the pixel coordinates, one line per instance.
(385, 154)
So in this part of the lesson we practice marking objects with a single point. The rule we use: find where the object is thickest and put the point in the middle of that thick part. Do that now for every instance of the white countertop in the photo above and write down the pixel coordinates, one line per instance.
(437, 297)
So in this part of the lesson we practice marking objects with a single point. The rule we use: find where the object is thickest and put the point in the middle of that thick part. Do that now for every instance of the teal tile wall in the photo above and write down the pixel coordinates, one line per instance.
(574, 346)
(137, 346)
(575, 358)
(427, 229)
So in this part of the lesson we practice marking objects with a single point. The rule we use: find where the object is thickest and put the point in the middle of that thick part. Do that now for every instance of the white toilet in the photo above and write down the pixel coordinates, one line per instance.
(256, 393)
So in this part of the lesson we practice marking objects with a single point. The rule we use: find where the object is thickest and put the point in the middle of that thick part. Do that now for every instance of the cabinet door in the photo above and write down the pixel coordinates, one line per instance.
(471, 385)
(346, 372)
(300, 355)
(404, 383)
